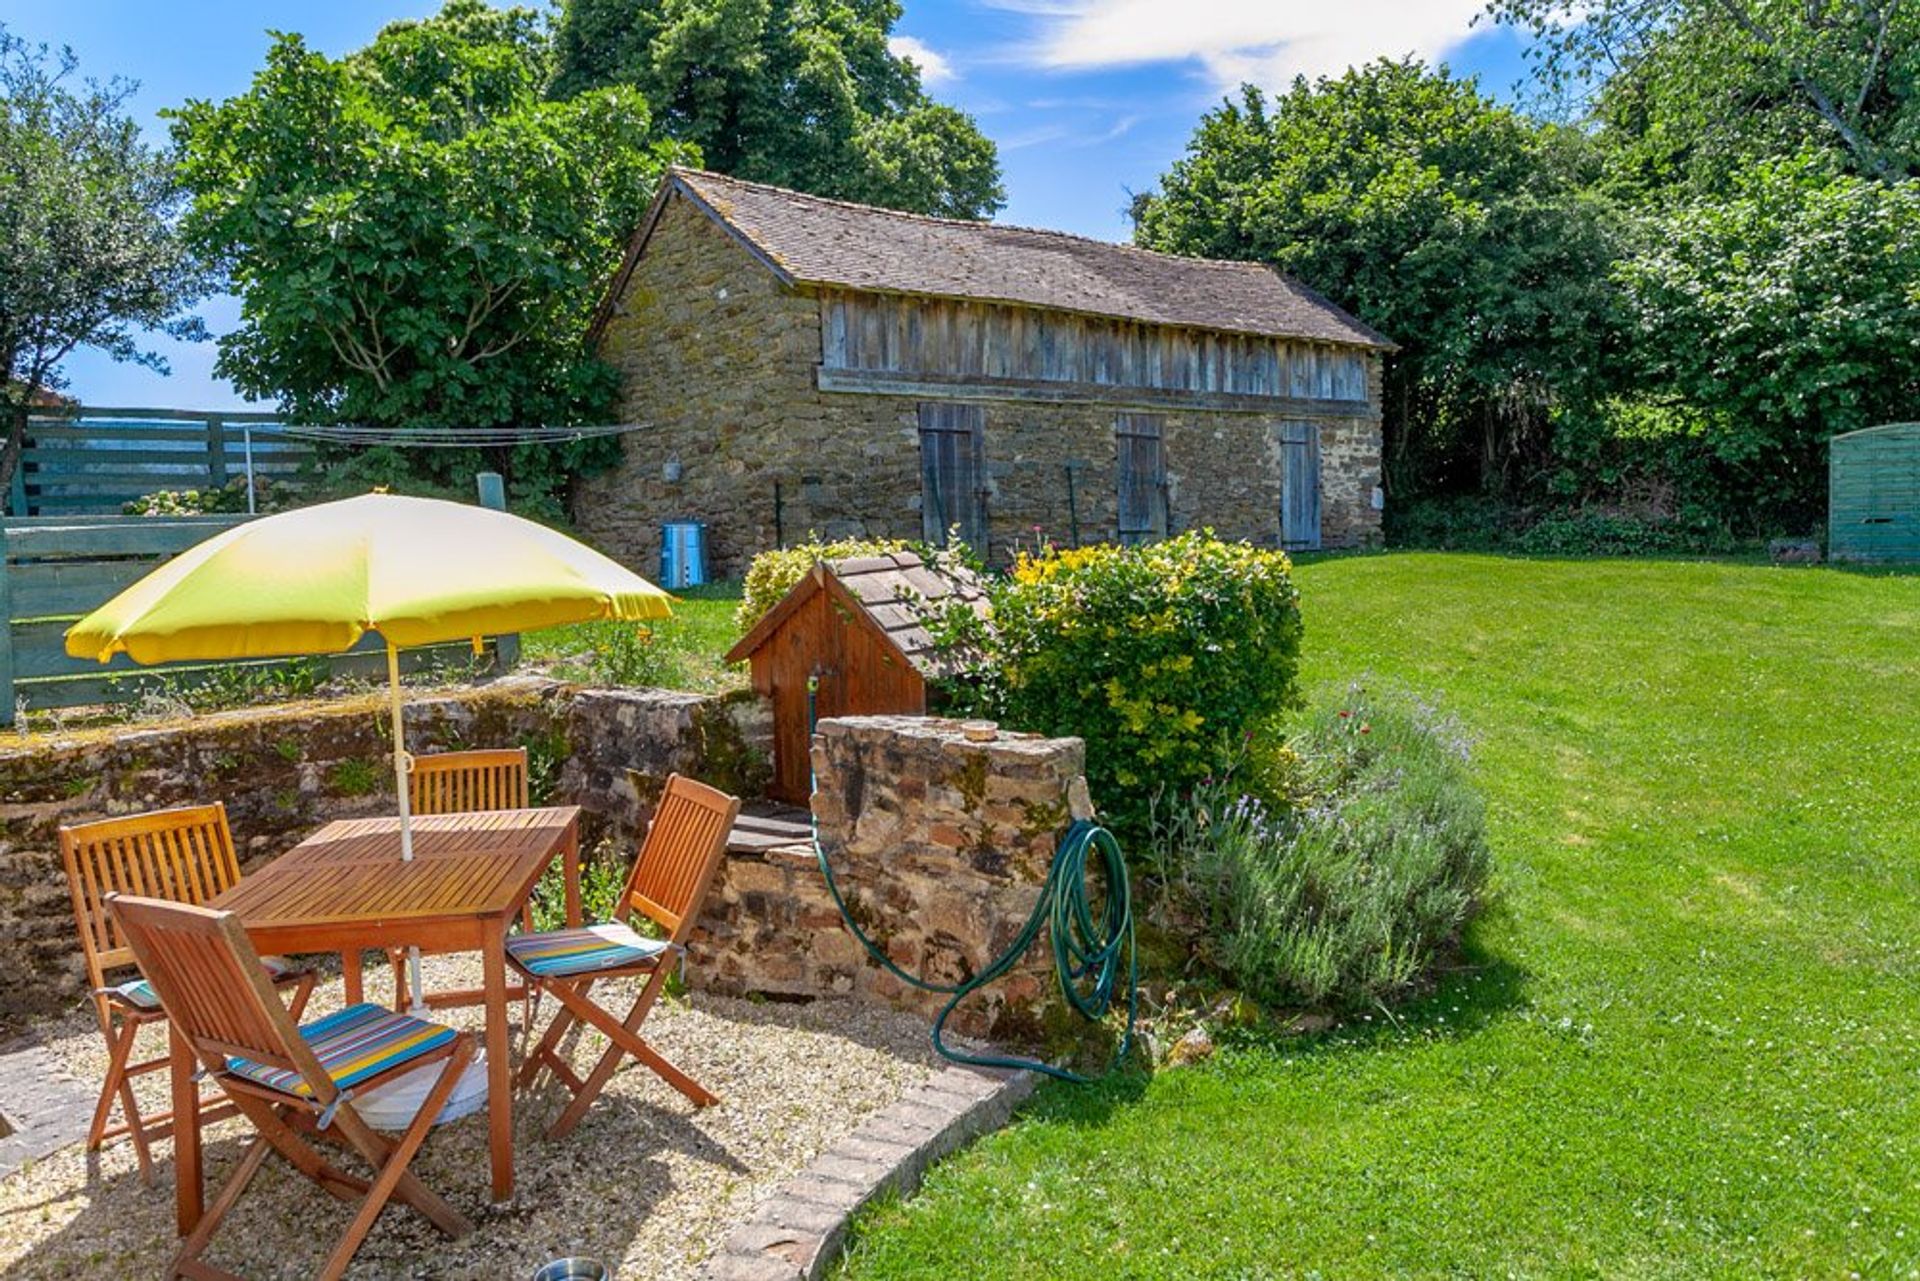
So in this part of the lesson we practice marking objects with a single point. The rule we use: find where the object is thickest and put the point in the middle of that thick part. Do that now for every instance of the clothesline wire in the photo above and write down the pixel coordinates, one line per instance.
(450, 437)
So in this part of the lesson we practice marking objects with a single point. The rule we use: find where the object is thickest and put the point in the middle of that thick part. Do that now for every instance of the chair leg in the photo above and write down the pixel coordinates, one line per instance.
(397, 962)
(298, 1153)
(391, 1161)
(626, 1040)
(186, 1261)
(548, 1050)
(119, 1083)
(301, 992)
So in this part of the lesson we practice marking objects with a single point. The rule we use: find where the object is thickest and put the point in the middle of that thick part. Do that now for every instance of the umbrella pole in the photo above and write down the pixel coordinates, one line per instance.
(402, 764)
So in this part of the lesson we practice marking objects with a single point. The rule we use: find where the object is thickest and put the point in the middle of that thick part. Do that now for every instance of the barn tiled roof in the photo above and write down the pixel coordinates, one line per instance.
(815, 241)
(903, 595)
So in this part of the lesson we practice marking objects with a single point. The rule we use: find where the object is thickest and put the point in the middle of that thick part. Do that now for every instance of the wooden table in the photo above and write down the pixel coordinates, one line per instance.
(345, 889)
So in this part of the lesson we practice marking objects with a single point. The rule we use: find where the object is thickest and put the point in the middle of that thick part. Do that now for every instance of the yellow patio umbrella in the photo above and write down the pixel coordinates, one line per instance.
(418, 571)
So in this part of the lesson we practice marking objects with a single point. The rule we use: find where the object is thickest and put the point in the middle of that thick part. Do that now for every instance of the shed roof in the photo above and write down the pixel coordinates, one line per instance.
(899, 592)
(811, 240)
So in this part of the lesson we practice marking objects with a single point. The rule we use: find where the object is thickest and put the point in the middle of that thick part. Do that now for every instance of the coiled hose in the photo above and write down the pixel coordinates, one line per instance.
(1086, 952)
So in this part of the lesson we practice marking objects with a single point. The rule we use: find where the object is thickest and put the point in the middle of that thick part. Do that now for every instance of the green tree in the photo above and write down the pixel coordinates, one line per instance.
(418, 236)
(89, 255)
(1788, 311)
(793, 92)
(1458, 228)
(1694, 91)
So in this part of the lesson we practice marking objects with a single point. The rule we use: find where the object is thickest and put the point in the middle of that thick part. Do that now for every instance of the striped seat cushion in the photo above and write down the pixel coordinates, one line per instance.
(140, 993)
(586, 950)
(353, 1044)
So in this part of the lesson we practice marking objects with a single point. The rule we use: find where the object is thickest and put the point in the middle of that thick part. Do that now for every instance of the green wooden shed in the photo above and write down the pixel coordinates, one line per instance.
(1873, 494)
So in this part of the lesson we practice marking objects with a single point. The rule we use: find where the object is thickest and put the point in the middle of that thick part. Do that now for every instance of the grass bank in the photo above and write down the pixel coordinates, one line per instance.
(1686, 1040)
(681, 652)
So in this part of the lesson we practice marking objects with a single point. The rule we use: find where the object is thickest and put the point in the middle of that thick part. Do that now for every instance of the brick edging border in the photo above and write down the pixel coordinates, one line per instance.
(801, 1229)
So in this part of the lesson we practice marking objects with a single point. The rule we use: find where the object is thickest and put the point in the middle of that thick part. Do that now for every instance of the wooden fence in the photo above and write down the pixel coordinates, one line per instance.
(93, 460)
(57, 569)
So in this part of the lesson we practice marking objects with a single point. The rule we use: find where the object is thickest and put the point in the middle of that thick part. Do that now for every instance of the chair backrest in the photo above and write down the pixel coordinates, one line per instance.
(211, 982)
(462, 782)
(183, 855)
(684, 846)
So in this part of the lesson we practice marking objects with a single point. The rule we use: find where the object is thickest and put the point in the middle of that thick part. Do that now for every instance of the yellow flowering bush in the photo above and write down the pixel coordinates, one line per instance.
(1165, 657)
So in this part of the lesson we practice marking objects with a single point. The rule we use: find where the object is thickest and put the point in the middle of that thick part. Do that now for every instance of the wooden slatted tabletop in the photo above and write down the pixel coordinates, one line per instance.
(350, 873)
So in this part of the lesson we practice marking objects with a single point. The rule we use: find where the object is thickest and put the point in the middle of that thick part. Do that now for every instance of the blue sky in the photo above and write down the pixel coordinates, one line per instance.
(1087, 99)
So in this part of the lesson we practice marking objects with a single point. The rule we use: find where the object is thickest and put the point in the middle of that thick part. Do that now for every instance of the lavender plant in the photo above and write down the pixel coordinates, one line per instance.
(1345, 896)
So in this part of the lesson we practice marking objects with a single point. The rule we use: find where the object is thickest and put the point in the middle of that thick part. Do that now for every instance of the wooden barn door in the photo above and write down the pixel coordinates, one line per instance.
(1299, 486)
(1142, 455)
(953, 491)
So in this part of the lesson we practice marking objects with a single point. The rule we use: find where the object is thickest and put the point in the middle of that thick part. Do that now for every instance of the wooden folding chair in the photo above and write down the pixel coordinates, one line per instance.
(462, 783)
(285, 1078)
(184, 855)
(669, 881)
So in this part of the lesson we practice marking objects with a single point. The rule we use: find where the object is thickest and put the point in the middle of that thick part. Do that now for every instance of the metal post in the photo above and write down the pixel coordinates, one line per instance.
(6, 634)
(402, 766)
(1073, 510)
(492, 488)
(216, 451)
(246, 439)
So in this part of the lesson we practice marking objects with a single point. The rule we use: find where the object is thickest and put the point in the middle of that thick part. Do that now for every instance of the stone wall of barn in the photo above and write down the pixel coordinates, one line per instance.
(718, 360)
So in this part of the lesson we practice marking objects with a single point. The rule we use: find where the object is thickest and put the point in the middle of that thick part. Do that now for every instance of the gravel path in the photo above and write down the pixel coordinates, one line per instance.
(646, 1182)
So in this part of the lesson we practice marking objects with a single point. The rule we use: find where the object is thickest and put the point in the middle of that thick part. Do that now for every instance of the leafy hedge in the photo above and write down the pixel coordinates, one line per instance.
(1476, 524)
(1164, 657)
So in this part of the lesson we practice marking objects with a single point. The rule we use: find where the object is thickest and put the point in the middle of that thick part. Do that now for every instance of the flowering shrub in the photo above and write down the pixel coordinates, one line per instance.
(1164, 657)
(1345, 897)
(773, 573)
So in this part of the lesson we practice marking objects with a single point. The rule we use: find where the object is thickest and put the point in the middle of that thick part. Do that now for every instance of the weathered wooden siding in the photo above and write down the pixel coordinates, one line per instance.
(924, 342)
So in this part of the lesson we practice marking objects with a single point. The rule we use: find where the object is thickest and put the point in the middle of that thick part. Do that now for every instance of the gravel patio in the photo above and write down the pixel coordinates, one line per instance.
(646, 1184)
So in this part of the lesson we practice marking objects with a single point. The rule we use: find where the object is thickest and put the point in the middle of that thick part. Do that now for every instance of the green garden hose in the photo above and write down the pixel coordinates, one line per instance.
(1086, 952)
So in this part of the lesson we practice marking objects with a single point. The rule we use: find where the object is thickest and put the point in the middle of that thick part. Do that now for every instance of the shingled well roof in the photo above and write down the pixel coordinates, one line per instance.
(810, 240)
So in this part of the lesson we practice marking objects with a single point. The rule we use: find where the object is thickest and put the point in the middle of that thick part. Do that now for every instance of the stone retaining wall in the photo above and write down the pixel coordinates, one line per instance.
(940, 846)
(284, 771)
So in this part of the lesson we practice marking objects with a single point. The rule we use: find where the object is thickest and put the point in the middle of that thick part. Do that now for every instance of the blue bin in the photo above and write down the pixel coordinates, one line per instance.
(683, 554)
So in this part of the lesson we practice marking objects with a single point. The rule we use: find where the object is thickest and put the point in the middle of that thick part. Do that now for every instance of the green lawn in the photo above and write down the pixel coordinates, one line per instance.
(1687, 1038)
(682, 652)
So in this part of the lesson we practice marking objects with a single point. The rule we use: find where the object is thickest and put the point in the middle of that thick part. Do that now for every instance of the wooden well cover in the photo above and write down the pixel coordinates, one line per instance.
(857, 629)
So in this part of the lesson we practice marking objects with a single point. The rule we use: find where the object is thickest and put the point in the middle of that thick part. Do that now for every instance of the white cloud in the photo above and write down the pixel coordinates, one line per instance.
(1265, 41)
(935, 69)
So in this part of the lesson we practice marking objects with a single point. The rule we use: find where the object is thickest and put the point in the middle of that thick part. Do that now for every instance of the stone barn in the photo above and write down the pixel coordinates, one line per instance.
(800, 365)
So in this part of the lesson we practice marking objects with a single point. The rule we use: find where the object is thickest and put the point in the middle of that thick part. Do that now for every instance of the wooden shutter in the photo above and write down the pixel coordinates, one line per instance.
(1299, 486)
(952, 486)
(1141, 452)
